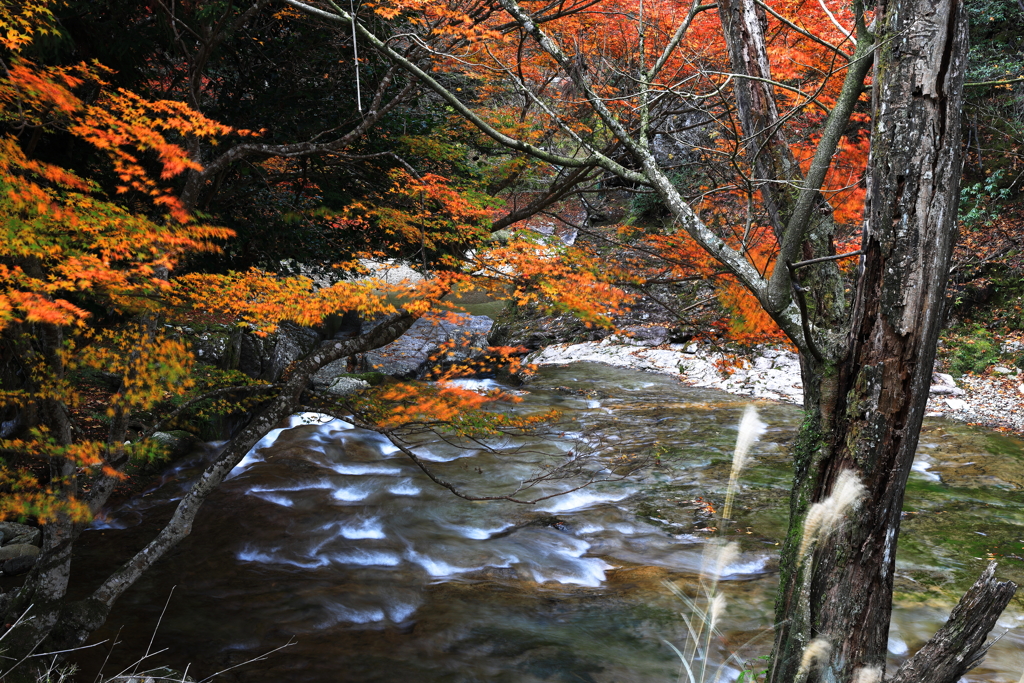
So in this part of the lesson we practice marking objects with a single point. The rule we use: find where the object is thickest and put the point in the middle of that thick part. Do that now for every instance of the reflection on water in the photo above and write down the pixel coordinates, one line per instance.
(329, 535)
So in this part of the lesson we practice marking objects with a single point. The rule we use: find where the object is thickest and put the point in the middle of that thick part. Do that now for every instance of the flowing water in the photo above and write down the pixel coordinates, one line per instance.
(328, 538)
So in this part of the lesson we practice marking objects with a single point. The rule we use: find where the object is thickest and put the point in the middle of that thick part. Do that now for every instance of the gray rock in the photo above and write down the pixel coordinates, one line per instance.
(176, 443)
(293, 342)
(18, 565)
(420, 347)
(1002, 370)
(210, 347)
(326, 375)
(9, 552)
(235, 348)
(33, 537)
(647, 336)
(11, 530)
(344, 386)
(523, 327)
(956, 404)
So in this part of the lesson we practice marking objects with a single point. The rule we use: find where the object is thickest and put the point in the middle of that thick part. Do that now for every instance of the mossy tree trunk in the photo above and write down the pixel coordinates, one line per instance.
(864, 410)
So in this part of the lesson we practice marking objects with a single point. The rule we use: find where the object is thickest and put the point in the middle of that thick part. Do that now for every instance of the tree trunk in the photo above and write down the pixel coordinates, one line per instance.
(865, 412)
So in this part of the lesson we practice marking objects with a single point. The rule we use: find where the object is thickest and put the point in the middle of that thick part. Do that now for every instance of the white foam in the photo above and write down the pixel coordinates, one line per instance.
(430, 456)
(437, 567)
(578, 500)
(897, 647)
(367, 528)
(589, 529)
(478, 385)
(360, 468)
(99, 523)
(355, 616)
(251, 458)
(283, 501)
(477, 533)
(404, 488)
(754, 566)
(389, 448)
(368, 558)
(310, 418)
(593, 404)
(352, 494)
(399, 613)
(922, 465)
(320, 484)
(251, 555)
(587, 571)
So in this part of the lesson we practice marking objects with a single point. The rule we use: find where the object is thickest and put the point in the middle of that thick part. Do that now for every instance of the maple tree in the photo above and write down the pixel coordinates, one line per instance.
(780, 92)
(93, 264)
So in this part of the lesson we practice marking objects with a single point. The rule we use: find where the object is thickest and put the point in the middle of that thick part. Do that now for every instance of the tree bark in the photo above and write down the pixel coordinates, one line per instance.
(960, 645)
(865, 412)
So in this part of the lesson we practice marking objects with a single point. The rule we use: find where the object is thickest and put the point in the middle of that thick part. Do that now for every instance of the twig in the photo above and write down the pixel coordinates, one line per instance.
(258, 658)
(155, 629)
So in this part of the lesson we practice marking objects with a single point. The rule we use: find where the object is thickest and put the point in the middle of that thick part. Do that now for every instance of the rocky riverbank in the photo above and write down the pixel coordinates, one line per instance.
(773, 374)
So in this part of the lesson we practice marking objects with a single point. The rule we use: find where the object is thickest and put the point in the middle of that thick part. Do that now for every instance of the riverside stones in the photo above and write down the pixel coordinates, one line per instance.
(769, 373)
(763, 372)
(19, 547)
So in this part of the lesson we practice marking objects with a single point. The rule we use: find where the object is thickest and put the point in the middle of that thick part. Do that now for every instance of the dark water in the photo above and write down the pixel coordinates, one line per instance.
(327, 538)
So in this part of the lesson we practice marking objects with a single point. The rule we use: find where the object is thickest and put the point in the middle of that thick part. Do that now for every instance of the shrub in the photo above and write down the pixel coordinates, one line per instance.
(973, 352)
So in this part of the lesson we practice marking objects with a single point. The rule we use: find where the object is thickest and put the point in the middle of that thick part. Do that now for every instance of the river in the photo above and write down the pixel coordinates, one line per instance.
(328, 538)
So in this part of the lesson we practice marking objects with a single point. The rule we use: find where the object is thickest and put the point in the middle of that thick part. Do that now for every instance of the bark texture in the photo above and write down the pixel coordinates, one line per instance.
(960, 645)
(869, 406)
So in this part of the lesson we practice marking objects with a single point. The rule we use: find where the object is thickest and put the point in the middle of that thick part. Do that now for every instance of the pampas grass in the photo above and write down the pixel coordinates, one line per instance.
(751, 429)
(825, 517)
(815, 656)
(870, 674)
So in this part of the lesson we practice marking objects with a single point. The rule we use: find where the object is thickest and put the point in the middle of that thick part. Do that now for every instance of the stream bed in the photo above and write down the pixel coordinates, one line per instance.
(329, 538)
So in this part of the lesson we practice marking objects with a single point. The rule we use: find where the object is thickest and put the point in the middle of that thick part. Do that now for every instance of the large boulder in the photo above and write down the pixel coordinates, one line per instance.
(12, 532)
(175, 443)
(525, 327)
(430, 342)
(345, 386)
(235, 348)
(9, 552)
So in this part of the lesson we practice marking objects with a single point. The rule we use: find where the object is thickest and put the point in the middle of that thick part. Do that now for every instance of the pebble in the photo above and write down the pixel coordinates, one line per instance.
(988, 400)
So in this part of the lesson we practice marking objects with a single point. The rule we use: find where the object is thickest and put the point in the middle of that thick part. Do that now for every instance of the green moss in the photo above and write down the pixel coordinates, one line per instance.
(371, 378)
(973, 351)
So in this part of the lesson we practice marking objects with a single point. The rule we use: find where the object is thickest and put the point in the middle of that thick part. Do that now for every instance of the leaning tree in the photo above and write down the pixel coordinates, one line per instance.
(865, 320)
